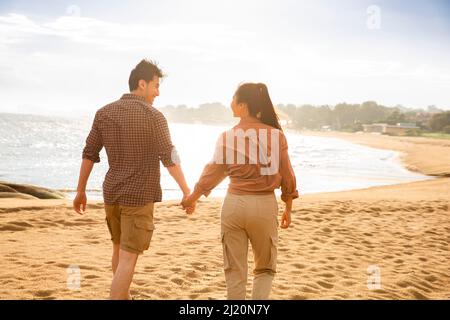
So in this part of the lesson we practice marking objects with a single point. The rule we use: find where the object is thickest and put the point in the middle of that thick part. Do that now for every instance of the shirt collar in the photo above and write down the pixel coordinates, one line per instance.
(132, 96)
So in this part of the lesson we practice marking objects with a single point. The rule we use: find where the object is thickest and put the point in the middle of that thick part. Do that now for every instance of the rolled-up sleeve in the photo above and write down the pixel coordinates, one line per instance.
(288, 181)
(167, 152)
(215, 171)
(212, 175)
(94, 143)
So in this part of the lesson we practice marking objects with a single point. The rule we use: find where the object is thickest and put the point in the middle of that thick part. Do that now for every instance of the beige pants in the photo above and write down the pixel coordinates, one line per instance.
(254, 218)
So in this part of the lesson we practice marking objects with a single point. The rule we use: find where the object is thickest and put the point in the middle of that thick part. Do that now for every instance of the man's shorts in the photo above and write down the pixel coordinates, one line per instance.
(131, 227)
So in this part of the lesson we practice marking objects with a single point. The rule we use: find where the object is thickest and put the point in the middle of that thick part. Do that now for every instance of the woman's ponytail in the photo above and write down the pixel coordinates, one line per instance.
(267, 110)
(257, 98)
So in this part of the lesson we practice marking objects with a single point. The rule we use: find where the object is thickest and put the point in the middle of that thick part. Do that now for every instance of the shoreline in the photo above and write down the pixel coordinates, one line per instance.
(406, 147)
(427, 156)
(328, 252)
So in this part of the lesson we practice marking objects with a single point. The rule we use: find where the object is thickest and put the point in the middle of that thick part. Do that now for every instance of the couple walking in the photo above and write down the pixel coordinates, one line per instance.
(253, 154)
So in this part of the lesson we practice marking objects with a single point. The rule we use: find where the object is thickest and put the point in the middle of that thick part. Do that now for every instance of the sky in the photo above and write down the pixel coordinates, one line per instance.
(73, 57)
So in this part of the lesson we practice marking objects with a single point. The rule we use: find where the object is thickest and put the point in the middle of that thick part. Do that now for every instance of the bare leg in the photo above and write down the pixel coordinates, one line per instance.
(115, 257)
(123, 276)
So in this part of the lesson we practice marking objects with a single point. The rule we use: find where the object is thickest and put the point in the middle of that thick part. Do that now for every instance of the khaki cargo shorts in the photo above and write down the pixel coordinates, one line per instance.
(131, 227)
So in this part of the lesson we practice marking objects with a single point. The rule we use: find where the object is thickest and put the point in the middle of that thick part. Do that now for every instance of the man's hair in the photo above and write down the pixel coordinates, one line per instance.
(145, 70)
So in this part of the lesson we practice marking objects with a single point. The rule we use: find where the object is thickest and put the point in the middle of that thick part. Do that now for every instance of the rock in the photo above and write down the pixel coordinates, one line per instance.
(35, 191)
(5, 188)
(16, 195)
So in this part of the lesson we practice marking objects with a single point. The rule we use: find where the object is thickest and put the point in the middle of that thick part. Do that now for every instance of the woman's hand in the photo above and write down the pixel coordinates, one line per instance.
(286, 219)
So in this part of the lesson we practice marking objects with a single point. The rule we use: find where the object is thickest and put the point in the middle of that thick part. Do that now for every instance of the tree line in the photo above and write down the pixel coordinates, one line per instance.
(341, 117)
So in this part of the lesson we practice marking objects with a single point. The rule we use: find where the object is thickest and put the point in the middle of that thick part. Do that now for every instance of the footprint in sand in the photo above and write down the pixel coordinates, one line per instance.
(298, 297)
(192, 274)
(417, 295)
(403, 284)
(11, 227)
(199, 267)
(44, 294)
(326, 275)
(21, 223)
(149, 269)
(178, 281)
(309, 290)
(431, 278)
(324, 284)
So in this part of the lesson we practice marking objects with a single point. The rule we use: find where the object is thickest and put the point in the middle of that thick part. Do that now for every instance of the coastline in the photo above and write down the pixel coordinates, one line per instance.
(424, 155)
(328, 252)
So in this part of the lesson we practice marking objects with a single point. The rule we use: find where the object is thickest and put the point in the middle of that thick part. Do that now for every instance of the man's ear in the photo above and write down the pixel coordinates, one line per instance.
(142, 84)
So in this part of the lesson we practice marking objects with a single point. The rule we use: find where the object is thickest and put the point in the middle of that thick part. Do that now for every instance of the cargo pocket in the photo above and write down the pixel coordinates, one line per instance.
(273, 253)
(143, 231)
(226, 260)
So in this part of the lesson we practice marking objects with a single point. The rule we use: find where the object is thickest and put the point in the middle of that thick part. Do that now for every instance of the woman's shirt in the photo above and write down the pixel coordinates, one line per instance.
(255, 158)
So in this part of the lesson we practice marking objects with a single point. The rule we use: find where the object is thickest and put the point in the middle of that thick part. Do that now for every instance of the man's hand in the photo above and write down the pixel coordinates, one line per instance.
(79, 203)
(286, 219)
(188, 204)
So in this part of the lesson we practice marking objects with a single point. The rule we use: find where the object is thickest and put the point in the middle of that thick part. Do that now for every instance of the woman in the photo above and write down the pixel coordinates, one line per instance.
(250, 209)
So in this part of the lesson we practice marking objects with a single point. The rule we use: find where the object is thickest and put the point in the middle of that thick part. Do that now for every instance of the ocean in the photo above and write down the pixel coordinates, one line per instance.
(46, 151)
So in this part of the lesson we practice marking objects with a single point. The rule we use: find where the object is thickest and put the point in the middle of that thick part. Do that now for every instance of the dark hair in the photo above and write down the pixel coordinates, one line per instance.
(145, 70)
(257, 98)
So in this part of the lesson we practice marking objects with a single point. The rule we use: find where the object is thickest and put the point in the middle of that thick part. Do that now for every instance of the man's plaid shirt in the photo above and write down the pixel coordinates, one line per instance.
(136, 137)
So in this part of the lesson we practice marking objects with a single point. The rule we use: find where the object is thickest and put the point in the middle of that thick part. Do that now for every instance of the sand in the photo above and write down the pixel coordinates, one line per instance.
(337, 244)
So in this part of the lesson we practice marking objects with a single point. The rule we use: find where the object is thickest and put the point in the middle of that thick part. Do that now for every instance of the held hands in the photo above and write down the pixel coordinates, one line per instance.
(79, 203)
(190, 200)
(188, 204)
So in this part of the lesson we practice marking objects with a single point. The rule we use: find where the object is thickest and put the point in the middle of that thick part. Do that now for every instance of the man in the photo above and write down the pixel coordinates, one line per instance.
(136, 137)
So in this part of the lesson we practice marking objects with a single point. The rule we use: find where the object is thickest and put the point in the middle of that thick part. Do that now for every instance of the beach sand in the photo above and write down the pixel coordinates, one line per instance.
(337, 243)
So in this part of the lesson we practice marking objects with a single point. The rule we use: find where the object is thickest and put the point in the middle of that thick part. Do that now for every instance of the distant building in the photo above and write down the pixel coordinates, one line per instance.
(375, 127)
(400, 129)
